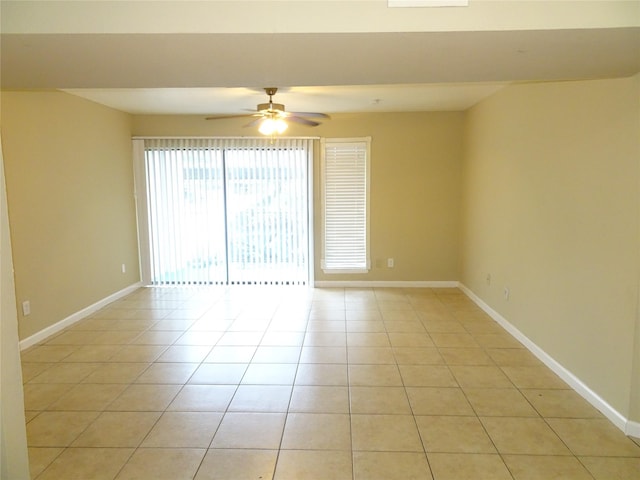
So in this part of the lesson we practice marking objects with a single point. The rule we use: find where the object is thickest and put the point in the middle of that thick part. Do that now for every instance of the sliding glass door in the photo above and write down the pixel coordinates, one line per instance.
(225, 211)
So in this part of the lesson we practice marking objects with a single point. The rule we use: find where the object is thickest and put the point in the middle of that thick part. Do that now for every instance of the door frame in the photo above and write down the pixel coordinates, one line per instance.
(142, 207)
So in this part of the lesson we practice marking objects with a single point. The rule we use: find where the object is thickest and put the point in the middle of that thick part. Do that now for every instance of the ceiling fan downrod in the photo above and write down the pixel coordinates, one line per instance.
(271, 107)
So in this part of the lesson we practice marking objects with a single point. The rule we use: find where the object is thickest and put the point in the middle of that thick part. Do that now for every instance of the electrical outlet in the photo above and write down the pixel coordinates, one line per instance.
(390, 262)
(507, 292)
(124, 268)
(26, 308)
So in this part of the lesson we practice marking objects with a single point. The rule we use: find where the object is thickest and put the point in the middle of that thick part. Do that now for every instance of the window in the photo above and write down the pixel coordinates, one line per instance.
(345, 195)
(224, 211)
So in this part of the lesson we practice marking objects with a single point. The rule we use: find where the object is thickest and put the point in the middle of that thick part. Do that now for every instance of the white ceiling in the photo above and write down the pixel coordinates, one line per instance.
(362, 62)
(331, 99)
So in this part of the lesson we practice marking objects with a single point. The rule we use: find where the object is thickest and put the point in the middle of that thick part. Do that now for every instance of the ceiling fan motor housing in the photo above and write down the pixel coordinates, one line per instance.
(271, 107)
(271, 113)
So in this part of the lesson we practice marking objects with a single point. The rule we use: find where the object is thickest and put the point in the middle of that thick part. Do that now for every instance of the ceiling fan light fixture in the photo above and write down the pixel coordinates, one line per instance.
(272, 126)
(272, 119)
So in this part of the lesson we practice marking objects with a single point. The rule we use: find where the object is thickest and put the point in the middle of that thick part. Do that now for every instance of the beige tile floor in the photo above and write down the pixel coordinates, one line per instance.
(292, 383)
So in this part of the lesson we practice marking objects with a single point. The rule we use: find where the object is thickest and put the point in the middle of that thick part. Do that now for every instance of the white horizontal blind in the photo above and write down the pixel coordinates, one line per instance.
(228, 211)
(346, 200)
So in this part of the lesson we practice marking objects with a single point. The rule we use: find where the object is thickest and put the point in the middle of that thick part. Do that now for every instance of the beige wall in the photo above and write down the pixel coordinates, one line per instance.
(14, 463)
(415, 185)
(71, 208)
(550, 210)
(635, 376)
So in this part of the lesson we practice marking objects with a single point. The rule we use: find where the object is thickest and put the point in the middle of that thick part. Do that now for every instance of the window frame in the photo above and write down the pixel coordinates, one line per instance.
(141, 145)
(324, 144)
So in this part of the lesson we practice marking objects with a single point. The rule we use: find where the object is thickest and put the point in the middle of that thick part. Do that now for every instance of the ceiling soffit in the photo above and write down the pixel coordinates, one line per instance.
(232, 60)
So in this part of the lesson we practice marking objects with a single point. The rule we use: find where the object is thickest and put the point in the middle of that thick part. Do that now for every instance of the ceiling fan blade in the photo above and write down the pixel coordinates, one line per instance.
(239, 115)
(302, 121)
(310, 114)
(275, 111)
(253, 123)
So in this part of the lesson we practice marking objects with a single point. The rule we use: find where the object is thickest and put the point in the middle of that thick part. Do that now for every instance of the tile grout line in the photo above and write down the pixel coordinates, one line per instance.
(293, 382)
(413, 415)
(477, 416)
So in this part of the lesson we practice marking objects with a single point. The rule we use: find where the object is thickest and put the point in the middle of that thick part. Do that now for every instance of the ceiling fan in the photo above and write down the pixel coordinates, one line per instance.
(273, 118)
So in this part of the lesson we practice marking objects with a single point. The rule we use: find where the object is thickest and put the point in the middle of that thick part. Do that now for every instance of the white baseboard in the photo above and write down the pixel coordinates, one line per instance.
(384, 284)
(574, 382)
(633, 429)
(71, 319)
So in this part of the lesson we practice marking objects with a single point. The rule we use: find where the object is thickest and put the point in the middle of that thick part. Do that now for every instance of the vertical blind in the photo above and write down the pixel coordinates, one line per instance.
(346, 198)
(227, 211)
